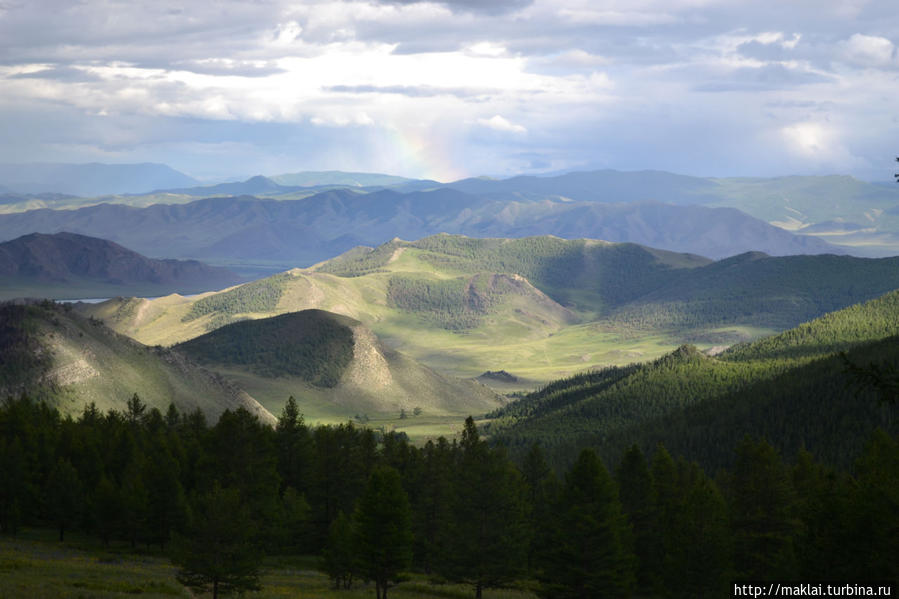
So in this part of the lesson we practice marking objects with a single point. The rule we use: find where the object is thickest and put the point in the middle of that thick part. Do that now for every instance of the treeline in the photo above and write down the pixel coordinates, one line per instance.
(374, 507)
(453, 304)
(791, 388)
(258, 296)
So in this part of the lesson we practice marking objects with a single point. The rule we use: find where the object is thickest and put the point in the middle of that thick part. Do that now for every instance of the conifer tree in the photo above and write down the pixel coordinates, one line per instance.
(543, 492)
(14, 484)
(697, 559)
(294, 447)
(383, 522)
(762, 514)
(219, 554)
(875, 506)
(487, 541)
(339, 559)
(589, 556)
(65, 496)
(635, 489)
(431, 502)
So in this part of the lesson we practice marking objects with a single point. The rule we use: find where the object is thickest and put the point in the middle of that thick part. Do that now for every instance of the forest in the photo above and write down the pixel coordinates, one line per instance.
(218, 498)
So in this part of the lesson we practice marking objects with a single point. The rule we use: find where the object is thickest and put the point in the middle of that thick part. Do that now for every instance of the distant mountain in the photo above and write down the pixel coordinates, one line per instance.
(53, 354)
(607, 186)
(55, 261)
(257, 185)
(8, 197)
(334, 365)
(315, 228)
(349, 179)
(93, 179)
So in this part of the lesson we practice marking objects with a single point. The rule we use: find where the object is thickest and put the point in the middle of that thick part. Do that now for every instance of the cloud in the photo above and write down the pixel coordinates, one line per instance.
(491, 7)
(870, 51)
(613, 83)
(499, 123)
(413, 91)
(774, 76)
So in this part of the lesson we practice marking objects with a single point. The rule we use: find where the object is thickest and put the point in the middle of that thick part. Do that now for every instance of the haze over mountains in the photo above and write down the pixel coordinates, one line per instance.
(92, 179)
(68, 265)
(321, 214)
(315, 228)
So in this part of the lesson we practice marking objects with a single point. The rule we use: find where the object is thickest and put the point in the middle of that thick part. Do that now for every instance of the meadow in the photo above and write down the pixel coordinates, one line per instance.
(35, 565)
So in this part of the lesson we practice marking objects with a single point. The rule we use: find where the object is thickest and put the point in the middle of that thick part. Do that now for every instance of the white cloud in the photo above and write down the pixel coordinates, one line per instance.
(589, 78)
(499, 123)
(870, 51)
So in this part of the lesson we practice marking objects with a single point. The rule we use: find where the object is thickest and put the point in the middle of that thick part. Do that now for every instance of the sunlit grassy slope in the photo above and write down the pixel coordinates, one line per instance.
(335, 367)
(53, 354)
(539, 308)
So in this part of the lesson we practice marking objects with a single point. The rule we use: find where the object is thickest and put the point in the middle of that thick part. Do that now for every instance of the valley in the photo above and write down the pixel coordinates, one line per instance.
(547, 307)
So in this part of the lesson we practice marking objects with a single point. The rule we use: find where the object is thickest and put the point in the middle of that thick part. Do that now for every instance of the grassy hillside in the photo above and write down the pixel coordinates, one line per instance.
(58, 356)
(540, 308)
(791, 388)
(335, 367)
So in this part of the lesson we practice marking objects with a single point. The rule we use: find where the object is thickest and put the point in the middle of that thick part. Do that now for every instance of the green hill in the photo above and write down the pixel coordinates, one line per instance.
(791, 388)
(314, 345)
(54, 354)
(540, 308)
(334, 366)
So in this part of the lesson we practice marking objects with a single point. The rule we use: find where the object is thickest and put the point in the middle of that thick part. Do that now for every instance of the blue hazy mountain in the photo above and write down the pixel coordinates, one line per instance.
(93, 179)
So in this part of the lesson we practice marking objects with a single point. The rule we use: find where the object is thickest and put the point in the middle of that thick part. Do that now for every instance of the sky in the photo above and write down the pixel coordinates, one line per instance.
(224, 89)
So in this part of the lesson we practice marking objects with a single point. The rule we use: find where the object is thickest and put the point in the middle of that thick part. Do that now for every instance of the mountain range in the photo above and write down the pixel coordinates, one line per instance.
(660, 209)
(315, 228)
(68, 265)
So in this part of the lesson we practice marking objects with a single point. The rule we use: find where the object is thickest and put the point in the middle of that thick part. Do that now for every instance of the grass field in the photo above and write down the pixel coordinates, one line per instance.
(37, 567)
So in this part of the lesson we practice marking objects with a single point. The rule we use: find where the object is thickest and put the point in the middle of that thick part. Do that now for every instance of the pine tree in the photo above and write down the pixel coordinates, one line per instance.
(543, 490)
(589, 555)
(431, 502)
(635, 489)
(65, 496)
(383, 522)
(487, 539)
(294, 447)
(762, 514)
(339, 559)
(219, 554)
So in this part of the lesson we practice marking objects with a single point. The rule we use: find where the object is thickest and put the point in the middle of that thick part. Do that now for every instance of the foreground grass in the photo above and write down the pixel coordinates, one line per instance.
(39, 569)
(36, 567)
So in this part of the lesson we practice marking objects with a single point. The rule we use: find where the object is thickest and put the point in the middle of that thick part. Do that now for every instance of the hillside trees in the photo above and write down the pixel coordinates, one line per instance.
(461, 510)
